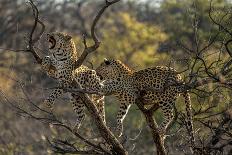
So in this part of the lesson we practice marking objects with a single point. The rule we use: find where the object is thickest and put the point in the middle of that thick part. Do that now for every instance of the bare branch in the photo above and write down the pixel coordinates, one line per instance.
(32, 41)
(96, 44)
(227, 47)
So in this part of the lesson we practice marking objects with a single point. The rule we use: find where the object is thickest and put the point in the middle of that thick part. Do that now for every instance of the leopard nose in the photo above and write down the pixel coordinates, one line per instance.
(48, 36)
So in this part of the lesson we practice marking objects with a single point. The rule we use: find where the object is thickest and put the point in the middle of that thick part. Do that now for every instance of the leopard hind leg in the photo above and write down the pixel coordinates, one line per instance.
(79, 107)
(99, 101)
(167, 110)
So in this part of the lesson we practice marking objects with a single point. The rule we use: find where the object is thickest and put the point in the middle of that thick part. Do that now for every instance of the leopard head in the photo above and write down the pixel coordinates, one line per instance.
(112, 69)
(61, 42)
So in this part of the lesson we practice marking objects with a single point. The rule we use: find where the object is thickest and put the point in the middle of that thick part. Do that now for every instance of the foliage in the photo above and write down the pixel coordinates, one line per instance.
(127, 39)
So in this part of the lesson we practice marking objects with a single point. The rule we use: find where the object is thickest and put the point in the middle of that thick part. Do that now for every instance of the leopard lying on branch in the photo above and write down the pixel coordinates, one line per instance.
(125, 84)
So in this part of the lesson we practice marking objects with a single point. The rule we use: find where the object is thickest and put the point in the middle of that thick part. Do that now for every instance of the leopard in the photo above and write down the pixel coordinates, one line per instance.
(59, 64)
(126, 84)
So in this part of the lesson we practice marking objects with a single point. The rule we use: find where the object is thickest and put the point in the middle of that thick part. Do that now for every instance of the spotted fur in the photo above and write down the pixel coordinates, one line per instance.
(63, 56)
(125, 84)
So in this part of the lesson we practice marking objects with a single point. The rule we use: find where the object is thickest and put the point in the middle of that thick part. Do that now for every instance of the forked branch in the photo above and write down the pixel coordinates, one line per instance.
(90, 49)
(32, 41)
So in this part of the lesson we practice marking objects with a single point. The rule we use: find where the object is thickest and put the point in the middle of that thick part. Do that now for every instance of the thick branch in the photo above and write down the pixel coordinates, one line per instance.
(117, 148)
(158, 140)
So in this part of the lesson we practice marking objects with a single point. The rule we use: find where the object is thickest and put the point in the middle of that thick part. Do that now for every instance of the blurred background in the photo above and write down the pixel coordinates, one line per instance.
(141, 33)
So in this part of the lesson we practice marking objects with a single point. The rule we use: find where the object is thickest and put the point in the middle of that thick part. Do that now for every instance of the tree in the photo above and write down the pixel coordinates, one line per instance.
(207, 72)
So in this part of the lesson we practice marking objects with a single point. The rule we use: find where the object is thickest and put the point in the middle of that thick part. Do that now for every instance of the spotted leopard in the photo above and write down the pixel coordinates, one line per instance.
(62, 56)
(125, 84)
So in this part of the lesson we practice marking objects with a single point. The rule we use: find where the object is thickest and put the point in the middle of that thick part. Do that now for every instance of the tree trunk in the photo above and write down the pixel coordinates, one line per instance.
(117, 148)
(158, 139)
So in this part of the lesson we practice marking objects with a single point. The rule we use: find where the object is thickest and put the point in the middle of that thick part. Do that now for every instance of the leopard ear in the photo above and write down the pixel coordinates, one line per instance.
(106, 61)
(68, 37)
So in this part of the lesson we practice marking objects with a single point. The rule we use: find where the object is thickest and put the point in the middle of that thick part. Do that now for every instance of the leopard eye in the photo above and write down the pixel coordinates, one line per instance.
(107, 62)
(68, 37)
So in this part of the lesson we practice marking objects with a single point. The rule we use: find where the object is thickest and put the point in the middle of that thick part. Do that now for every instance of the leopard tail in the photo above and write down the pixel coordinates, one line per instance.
(189, 118)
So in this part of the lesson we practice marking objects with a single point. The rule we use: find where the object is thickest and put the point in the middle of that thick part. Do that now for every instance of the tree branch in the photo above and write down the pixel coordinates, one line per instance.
(157, 138)
(117, 147)
(32, 41)
(90, 49)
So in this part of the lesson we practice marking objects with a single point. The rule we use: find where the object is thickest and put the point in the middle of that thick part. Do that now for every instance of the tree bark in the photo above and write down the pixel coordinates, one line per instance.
(157, 138)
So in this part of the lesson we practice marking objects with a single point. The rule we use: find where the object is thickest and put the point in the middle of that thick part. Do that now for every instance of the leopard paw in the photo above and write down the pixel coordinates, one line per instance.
(162, 132)
(119, 130)
(47, 105)
(76, 126)
(46, 62)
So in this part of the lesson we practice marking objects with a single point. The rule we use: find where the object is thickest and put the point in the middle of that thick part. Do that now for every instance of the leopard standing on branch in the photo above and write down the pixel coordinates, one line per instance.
(62, 56)
(125, 84)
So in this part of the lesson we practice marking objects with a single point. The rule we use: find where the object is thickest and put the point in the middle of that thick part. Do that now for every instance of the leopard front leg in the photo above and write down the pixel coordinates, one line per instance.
(125, 102)
(49, 102)
(108, 87)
